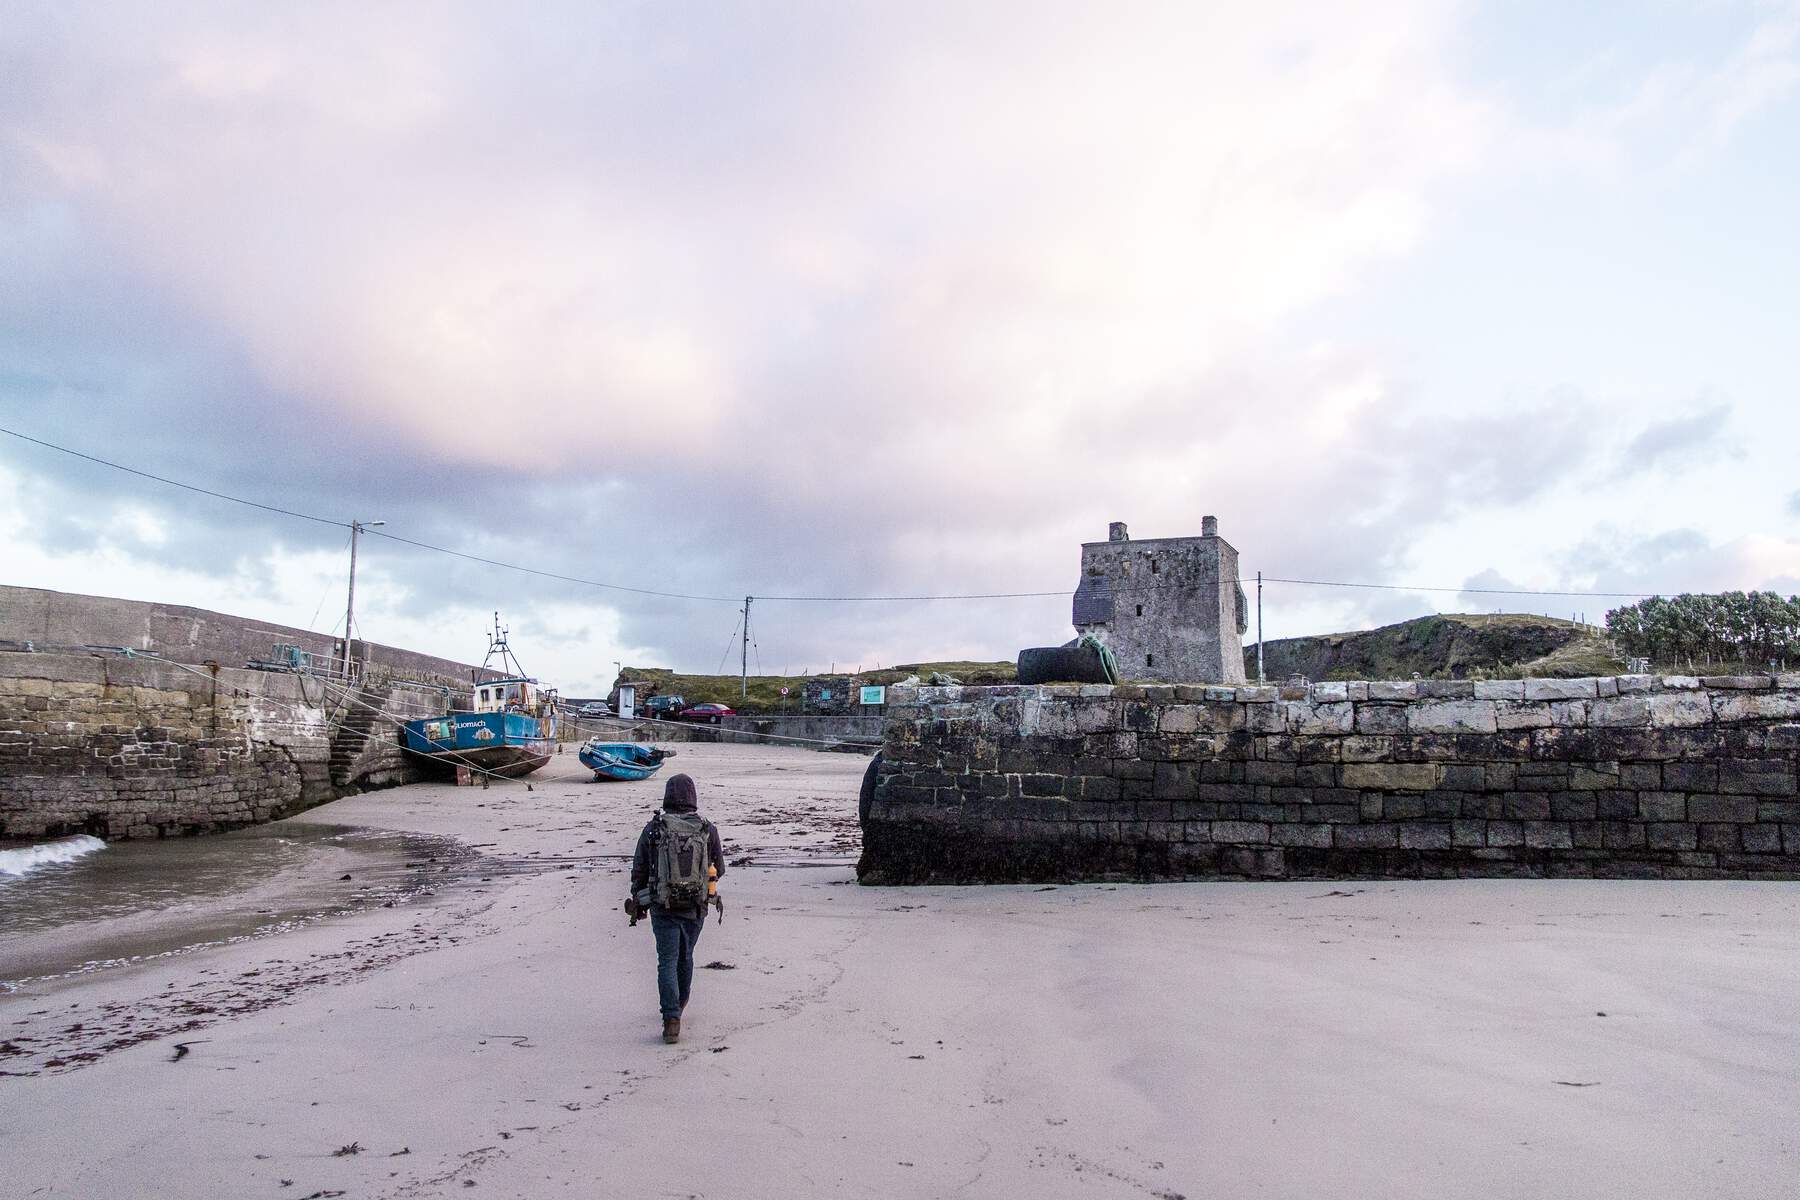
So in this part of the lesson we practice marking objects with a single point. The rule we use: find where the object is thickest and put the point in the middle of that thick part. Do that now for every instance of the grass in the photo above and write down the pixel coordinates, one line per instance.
(1578, 660)
(1449, 646)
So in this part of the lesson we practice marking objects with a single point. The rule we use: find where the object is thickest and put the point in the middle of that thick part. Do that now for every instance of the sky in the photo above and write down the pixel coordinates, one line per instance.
(879, 299)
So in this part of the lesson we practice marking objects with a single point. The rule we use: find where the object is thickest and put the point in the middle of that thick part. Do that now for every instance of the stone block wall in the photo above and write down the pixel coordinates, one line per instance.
(133, 747)
(1635, 776)
(51, 620)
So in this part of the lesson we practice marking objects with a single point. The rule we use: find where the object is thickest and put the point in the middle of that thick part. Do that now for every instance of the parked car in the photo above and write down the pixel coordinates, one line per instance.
(593, 710)
(711, 714)
(664, 707)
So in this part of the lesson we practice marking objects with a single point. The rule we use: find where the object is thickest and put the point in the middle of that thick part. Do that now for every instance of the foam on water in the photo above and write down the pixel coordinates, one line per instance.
(29, 858)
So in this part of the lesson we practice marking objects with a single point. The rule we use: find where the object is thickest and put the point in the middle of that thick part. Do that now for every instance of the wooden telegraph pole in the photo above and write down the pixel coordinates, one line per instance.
(356, 527)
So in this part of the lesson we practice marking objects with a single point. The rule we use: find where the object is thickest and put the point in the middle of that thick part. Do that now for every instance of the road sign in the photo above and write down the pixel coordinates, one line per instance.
(784, 691)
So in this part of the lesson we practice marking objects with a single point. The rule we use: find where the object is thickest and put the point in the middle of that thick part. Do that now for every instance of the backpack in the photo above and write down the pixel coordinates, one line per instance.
(683, 854)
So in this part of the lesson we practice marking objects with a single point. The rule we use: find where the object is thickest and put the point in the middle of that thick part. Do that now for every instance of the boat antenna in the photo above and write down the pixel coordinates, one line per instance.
(497, 645)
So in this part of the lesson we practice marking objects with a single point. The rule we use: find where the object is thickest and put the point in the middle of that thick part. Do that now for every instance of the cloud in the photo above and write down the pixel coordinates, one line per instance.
(1680, 441)
(1765, 70)
(666, 244)
(709, 305)
(1490, 591)
(1663, 105)
(750, 302)
(1672, 561)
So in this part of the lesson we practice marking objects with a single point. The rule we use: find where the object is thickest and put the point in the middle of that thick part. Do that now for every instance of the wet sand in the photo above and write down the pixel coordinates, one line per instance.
(1495, 1038)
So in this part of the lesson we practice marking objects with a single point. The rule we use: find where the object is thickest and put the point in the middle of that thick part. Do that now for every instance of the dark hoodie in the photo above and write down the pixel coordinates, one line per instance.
(678, 797)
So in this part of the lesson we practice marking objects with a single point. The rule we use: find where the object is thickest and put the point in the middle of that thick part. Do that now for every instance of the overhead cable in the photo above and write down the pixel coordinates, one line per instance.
(286, 512)
(494, 562)
(822, 599)
(1473, 591)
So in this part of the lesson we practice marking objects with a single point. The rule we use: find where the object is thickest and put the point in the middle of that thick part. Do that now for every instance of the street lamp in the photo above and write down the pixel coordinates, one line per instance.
(356, 527)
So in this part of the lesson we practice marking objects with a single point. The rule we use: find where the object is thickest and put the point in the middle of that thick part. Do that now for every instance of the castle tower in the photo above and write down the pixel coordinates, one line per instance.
(1170, 609)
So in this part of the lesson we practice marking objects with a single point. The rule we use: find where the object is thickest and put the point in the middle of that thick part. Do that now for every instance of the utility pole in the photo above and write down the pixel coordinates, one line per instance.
(744, 661)
(356, 527)
(1259, 660)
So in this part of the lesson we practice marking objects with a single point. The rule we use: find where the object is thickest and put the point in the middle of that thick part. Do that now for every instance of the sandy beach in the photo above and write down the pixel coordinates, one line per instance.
(498, 1036)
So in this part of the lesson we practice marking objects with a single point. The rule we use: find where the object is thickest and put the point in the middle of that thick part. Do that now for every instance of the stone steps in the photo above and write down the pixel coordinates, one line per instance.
(355, 731)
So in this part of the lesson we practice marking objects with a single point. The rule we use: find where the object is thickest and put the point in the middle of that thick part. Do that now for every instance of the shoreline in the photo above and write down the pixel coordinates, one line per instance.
(1092, 1040)
(135, 907)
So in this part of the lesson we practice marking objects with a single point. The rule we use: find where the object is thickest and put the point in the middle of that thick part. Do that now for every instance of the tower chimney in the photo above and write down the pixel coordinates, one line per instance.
(1116, 532)
(1209, 527)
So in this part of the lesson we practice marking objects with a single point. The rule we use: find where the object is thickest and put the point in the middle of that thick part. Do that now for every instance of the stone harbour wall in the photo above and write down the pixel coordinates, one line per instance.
(1635, 776)
(134, 747)
(51, 621)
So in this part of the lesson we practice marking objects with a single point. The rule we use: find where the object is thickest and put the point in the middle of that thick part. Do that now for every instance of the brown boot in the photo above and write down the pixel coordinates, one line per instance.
(672, 1030)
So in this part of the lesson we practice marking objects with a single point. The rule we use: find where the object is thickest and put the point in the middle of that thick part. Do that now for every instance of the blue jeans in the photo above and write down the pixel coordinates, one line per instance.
(676, 937)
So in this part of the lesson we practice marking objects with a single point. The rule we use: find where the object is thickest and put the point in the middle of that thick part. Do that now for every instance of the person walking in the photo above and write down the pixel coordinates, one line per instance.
(677, 854)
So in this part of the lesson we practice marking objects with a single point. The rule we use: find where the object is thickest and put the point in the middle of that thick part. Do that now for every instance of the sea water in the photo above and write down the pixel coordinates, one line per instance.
(76, 905)
(22, 860)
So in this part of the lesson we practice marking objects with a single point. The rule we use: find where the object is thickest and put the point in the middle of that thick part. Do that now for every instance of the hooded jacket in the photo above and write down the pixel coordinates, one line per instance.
(679, 796)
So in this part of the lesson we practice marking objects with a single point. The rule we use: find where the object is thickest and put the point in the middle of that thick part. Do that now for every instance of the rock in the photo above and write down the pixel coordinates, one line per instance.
(1560, 689)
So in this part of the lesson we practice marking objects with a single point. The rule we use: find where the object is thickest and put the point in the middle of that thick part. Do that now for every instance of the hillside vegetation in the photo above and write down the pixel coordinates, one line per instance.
(1449, 646)
(1445, 646)
(1727, 628)
(765, 690)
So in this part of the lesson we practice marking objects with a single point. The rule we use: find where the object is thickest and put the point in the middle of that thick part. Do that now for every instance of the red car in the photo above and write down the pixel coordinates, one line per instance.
(712, 714)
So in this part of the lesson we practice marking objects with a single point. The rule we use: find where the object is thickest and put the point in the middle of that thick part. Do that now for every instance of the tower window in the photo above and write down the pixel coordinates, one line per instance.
(1153, 569)
(1140, 609)
(1149, 660)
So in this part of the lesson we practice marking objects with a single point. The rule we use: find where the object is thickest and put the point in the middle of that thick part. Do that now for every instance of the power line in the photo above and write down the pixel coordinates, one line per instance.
(728, 645)
(1169, 587)
(1473, 591)
(326, 596)
(957, 596)
(494, 562)
(286, 512)
(823, 599)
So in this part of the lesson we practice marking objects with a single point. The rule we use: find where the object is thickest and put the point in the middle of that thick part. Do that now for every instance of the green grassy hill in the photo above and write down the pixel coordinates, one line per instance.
(765, 690)
(1447, 646)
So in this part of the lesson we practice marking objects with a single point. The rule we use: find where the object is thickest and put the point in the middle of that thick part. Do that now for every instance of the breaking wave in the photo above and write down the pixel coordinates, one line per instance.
(29, 858)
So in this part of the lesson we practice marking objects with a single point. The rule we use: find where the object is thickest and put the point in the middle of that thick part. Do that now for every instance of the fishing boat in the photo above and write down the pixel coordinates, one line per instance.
(622, 760)
(511, 728)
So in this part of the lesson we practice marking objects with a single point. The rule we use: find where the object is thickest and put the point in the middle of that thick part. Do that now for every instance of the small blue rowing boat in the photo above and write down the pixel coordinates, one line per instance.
(622, 760)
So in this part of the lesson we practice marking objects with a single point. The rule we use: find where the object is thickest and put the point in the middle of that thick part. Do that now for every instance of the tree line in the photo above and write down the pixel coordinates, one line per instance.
(1746, 627)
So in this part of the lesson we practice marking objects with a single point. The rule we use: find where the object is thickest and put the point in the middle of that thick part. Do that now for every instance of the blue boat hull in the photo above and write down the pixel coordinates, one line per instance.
(506, 743)
(622, 760)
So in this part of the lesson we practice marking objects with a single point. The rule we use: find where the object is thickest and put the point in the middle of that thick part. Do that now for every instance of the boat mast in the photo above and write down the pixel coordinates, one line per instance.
(497, 645)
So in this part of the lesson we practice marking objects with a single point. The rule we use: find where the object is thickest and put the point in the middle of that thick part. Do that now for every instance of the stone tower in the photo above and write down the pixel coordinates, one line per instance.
(1170, 609)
